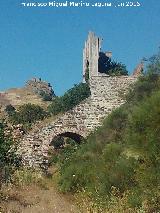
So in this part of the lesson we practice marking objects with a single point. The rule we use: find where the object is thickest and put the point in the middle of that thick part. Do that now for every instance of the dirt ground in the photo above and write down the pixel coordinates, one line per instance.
(33, 199)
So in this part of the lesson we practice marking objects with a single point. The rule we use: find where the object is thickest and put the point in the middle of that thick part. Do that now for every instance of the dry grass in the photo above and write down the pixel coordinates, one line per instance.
(32, 192)
(20, 96)
(116, 204)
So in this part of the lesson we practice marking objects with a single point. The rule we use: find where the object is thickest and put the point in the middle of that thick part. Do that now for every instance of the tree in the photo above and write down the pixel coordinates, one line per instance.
(106, 65)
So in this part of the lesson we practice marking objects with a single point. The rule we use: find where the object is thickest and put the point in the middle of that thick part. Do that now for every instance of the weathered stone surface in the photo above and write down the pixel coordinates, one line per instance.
(107, 93)
(16, 131)
(139, 69)
(81, 120)
(91, 52)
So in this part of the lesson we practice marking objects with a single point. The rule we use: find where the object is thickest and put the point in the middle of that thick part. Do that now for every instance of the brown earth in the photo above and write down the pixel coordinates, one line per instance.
(34, 199)
(20, 96)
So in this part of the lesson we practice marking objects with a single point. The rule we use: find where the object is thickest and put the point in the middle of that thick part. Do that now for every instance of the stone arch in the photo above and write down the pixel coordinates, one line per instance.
(74, 136)
(77, 123)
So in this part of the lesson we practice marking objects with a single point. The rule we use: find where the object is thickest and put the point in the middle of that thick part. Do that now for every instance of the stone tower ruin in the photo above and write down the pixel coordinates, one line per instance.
(91, 55)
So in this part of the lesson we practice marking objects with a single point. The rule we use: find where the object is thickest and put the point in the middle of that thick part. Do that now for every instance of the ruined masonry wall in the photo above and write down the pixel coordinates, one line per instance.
(106, 95)
(91, 55)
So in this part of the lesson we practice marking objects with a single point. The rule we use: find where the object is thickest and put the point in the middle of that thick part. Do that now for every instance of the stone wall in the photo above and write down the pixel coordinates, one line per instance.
(139, 69)
(107, 93)
(91, 55)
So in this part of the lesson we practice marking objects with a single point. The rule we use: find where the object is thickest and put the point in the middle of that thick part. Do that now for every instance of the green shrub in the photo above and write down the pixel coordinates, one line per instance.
(8, 158)
(24, 176)
(112, 68)
(28, 114)
(123, 154)
(58, 142)
(143, 136)
(70, 99)
(56, 106)
(143, 127)
(45, 96)
(148, 83)
(10, 109)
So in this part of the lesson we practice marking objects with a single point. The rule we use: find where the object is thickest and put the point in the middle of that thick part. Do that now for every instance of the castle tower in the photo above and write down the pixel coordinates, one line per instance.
(91, 55)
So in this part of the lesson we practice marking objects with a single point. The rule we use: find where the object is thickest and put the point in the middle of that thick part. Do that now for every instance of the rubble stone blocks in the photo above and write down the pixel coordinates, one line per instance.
(91, 51)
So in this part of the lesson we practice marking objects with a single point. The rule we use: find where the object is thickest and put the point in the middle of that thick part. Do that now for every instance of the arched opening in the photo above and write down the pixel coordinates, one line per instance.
(63, 146)
(65, 138)
(74, 136)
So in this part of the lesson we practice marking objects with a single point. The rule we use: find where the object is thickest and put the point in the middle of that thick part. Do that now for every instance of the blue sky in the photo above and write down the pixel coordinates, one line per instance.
(47, 42)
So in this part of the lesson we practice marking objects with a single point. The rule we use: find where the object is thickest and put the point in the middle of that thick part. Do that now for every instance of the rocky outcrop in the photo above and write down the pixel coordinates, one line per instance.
(35, 91)
(40, 87)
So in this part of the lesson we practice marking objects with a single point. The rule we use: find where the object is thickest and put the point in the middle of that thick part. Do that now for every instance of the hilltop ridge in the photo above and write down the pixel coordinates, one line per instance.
(33, 92)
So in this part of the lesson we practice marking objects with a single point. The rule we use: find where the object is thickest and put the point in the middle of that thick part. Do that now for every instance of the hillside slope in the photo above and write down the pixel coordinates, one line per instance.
(117, 168)
(20, 96)
(35, 91)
